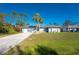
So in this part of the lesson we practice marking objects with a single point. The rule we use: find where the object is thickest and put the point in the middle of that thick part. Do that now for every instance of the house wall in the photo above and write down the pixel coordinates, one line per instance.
(41, 29)
(24, 30)
(69, 29)
(54, 29)
(65, 30)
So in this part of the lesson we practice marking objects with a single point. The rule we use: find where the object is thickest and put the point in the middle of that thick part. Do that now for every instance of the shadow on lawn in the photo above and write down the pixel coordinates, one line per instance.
(43, 50)
(40, 50)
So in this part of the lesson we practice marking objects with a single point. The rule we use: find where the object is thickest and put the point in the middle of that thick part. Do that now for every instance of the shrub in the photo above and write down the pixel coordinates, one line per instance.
(7, 28)
(11, 29)
(18, 28)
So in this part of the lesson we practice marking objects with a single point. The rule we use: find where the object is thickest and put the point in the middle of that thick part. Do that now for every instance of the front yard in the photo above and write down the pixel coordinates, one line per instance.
(3, 35)
(64, 43)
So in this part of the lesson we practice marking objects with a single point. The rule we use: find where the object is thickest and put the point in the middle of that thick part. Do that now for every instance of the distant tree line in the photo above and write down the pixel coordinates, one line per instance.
(66, 23)
(21, 20)
(8, 27)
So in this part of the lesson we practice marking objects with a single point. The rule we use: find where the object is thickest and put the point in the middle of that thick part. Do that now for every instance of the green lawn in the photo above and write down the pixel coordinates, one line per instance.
(4, 34)
(64, 43)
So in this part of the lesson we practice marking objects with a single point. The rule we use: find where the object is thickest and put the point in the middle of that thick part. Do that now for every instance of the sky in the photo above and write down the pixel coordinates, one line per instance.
(51, 12)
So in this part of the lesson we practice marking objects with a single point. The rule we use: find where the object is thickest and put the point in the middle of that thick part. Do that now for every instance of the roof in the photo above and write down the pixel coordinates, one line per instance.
(25, 27)
(53, 27)
(32, 26)
(72, 26)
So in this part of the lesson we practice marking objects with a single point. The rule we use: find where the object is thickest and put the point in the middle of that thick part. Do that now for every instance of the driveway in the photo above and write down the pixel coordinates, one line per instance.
(12, 40)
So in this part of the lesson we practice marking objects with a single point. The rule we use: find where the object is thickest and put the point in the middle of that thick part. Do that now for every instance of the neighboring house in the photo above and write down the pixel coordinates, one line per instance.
(28, 28)
(53, 29)
(25, 29)
(32, 28)
(41, 29)
(71, 28)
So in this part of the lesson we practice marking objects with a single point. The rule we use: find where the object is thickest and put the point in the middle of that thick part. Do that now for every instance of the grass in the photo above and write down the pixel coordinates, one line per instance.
(64, 43)
(3, 35)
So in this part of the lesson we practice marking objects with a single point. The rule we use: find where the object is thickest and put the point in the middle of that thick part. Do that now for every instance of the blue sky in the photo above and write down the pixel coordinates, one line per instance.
(51, 12)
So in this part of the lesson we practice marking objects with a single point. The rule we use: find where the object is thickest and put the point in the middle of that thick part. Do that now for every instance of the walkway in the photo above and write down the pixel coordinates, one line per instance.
(12, 40)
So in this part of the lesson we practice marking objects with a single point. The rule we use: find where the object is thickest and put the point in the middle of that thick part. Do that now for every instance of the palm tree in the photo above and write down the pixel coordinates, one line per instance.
(19, 17)
(14, 15)
(37, 18)
(20, 21)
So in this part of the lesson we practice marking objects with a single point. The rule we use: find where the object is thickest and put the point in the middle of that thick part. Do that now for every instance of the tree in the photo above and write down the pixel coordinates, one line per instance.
(2, 21)
(14, 16)
(20, 20)
(19, 17)
(4, 26)
(68, 22)
(50, 24)
(37, 18)
(2, 17)
(1, 24)
(55, 24)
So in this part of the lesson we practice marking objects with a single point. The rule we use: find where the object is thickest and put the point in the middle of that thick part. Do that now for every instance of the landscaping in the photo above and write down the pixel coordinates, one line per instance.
(64, 43)
(3, 35)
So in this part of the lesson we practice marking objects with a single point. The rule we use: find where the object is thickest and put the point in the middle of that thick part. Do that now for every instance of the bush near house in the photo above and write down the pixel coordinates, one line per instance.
(7, 28)
(18, 28)
(11, 29)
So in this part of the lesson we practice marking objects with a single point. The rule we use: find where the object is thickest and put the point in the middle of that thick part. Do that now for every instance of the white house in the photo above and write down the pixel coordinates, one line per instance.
(28, 29)
(25, 29)
(41, 29)
(53, 29)
(71, 28)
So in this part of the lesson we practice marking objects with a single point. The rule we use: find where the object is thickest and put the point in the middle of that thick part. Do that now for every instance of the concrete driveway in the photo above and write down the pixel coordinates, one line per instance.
(12, 40)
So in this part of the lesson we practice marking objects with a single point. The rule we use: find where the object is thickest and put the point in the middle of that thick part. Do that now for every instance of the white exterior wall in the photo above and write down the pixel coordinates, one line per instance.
(41, 29)
(24, 30)
(49, 30)
(54, 29)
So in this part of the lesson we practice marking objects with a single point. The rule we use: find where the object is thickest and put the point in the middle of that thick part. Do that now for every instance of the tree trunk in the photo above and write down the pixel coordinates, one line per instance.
(38, 26)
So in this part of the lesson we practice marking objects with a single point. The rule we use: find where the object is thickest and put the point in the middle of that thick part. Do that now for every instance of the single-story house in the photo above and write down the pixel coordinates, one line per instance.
(28, 28)
(71, 28)
(41, 29)
(53, 29)
(25, 29)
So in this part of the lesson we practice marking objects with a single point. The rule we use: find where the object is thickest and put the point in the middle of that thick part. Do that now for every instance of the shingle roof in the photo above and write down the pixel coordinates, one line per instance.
(53, 26)
(72, 26)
